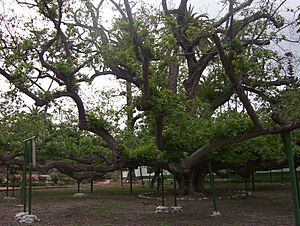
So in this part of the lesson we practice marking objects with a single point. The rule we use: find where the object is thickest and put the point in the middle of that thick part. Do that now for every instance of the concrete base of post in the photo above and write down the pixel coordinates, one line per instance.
(79, 195)
(24, 217)
(176, 209)
(162, 209)
(166, 209)
(215, 213)
(9, 199)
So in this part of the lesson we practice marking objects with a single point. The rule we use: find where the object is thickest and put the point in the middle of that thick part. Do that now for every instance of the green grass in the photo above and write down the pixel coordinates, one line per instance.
(110, 208)
(276, 177)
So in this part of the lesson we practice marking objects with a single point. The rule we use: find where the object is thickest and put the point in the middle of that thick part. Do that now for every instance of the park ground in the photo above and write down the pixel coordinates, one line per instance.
(111, 204)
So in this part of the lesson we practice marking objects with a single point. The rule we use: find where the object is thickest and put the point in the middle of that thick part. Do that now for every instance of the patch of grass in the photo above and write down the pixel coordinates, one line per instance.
(125, 190)
(111, 208)
(54, 195)
(282, 202)
(164, 224)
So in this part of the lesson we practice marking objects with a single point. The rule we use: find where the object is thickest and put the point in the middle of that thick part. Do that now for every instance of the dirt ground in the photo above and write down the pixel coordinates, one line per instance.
(269, 204)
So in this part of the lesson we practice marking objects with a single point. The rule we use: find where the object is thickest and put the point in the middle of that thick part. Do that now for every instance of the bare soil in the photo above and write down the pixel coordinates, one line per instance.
(269, 204)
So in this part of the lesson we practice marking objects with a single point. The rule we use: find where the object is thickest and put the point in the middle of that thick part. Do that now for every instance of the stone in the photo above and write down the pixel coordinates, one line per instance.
(19, 216)
(24, 217)
(9, 199)
(215, 213)
(79, 195)
(29, 219)
(162, 209)
(176, 209)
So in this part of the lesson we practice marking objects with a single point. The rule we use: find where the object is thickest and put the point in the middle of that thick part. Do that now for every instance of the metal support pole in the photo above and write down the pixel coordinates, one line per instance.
(7, 179)
(270, 176)
(158, 180)
(78, 186)
(92, 184)
(162, 188)
(141, 174)
(30, 176)
(282, 176)
(122, 178)
(30, 190)
(286, 136)
(130, 178)
(296, 173)
(175, 190)
(212, 187)
(24, 180)
(13, 181)
(246, 186)
(253, 181)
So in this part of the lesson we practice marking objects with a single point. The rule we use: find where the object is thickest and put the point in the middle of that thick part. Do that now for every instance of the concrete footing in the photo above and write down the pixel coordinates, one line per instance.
(176, 209)
(24, 217)
(9, 199)
(215, 213)
(166, 209)
(79, 195)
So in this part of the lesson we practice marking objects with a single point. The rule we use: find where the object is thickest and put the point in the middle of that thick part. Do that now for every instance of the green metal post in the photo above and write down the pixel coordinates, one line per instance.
(162, 188)
(253, 181)
(78, 186)
(122, 178)
(141, 174)
(149, 179)
(212, 187)
(130, 178)
(175, 190)
(24, 179)
(286, 136)
(296, 173)
(246, 186)
(29, 149)
(13, 181)
(7, 179)
(92, 184)
(158, 180)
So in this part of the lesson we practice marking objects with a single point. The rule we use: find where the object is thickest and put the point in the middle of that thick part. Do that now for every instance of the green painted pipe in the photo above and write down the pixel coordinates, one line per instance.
(13, 181)
(7, 179)
(212, 186)
(24, 182)
(29, 148)
(175, 190)
(162, 188)
(130, 178)
(286, 137)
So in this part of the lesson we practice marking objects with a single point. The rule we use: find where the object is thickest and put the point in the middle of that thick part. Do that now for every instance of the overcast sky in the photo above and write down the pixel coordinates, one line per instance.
(213, 7)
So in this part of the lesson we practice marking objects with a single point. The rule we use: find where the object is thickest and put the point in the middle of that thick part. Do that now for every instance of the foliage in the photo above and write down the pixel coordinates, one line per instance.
(17, 127)
(53, 54)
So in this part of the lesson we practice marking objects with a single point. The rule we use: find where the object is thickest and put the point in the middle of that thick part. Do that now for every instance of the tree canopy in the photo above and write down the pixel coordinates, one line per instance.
(194, 84)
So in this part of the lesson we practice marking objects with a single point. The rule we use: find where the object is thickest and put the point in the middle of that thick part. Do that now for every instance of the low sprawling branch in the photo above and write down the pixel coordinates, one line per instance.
(205, 149)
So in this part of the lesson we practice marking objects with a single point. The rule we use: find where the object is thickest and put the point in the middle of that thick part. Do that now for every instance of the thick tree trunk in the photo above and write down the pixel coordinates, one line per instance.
(193, 182)
(184, 181)
(155, 178)
(198, 182)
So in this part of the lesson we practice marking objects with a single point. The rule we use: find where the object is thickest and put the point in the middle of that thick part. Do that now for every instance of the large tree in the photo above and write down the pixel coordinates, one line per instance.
(186, 69)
